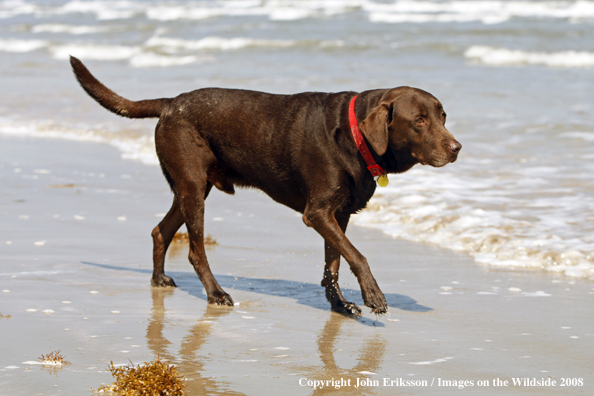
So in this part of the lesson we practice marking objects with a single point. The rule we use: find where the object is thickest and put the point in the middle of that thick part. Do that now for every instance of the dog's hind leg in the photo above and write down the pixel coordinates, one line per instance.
(186, 158)
(192, 207)
(162, 235)
(330, 282)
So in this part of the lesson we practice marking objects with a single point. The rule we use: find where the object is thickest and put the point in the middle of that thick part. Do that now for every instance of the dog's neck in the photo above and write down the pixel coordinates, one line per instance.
(372, 166)
(397, 160)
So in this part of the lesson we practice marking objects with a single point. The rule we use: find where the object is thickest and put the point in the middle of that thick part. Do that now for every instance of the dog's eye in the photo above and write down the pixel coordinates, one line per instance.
(444, 115)
(420, 120)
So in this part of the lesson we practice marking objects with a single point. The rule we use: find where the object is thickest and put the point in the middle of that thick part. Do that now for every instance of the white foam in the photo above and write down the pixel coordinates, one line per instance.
(274, 10)
(71, 29)
(412, 11)
(173, 13)
(155, 60)
(9, 9)
(104, 10)
(132, 146)
(221, 44)
(487, 12)
(507, 57)
(289, 14)
(160, 51)
(45, 362)
(522, 223)
(429, 362)
(587, 136)
(94, 51)
(15, 45)
(439, 18)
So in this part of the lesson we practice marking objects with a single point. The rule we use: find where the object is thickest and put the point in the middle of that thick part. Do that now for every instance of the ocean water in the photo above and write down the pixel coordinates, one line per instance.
(516, 78)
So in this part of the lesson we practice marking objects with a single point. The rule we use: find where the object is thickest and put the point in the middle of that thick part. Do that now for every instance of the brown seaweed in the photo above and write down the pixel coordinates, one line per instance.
(155, 378)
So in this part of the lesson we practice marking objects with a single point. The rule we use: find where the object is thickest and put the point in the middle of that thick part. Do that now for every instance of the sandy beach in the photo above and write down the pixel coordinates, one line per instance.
(75, 269)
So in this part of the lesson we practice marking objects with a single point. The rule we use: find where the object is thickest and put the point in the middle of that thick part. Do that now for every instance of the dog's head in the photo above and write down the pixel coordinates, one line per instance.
(412, 119)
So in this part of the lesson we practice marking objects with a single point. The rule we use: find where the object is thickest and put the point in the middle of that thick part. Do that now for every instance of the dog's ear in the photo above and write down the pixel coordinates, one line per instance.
(375, 128)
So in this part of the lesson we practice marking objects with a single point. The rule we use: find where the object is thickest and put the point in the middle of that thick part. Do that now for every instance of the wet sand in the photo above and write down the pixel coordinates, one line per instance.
(75, 269)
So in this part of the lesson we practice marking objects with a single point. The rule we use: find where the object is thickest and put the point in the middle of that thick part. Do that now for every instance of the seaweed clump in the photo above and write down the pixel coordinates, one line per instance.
(155, 378)
(53, 358)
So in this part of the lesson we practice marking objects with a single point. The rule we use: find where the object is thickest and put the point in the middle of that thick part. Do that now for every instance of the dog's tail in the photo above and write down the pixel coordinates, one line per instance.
(111, 100)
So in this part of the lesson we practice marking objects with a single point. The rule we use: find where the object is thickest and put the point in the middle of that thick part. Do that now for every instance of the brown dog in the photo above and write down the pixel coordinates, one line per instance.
(298, 149)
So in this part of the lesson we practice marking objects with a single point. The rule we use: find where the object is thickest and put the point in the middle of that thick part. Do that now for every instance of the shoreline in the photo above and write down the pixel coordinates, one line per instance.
(78, 219)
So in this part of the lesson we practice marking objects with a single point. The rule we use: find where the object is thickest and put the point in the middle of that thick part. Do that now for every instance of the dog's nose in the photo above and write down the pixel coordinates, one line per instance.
(455, 147)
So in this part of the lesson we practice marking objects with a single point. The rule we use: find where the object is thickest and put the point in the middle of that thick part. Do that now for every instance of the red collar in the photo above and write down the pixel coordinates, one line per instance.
(373, 167)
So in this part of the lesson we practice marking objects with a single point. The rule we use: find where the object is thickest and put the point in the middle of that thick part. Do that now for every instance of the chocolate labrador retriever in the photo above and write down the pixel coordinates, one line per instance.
(304, 150)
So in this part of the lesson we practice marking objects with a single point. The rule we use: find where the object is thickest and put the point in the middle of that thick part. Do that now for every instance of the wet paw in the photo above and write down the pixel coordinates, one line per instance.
(163, 281)
(220, 299)
(380, 310)
(377, 302)
(347, 308)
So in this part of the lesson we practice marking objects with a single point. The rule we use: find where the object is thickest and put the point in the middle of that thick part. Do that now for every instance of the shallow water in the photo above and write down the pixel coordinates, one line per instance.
(515, 77)
(76, 278)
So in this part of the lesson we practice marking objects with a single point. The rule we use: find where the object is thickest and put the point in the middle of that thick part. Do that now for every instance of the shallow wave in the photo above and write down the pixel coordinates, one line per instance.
(12, 8)
(487, 12)
(506, 57)
(71, 29)
(136, 56)
(133, 145)
(489, 219)
(411, 11)
(158, 60)
(158, 51)
(104, 10)
(440, 18)
(16, 45)
(225, 44)
(95, 51)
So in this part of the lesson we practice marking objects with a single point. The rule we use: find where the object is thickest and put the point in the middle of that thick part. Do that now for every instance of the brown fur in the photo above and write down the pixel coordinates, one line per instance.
(298, 149)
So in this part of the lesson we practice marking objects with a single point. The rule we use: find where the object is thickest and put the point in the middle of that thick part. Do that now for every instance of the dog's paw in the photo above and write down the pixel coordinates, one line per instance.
(380, 310)
(163, 281)
(220, 299)
(377, 302)
(347, 308)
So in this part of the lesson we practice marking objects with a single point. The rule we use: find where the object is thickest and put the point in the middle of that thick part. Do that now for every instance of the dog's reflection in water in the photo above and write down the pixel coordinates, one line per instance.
(187, 362)
(368, 362)
(192, 367)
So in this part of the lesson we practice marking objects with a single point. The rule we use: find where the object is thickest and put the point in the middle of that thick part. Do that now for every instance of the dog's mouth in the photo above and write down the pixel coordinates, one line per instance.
(442, 162)
(436, 156)
(437, 159)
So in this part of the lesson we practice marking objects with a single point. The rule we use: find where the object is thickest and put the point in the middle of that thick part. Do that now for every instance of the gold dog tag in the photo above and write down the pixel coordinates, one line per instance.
(383, 180)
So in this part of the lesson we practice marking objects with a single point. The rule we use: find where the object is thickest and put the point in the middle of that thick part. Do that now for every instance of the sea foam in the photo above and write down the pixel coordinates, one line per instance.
(133, 146)
(493, 222)
(487, 12)
(411, 11)
(16, 45)
(507, 57)
(71, 29)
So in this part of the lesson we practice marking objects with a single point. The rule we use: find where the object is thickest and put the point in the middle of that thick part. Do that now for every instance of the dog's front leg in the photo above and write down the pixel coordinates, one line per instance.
(324, 222)
(330, 282)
